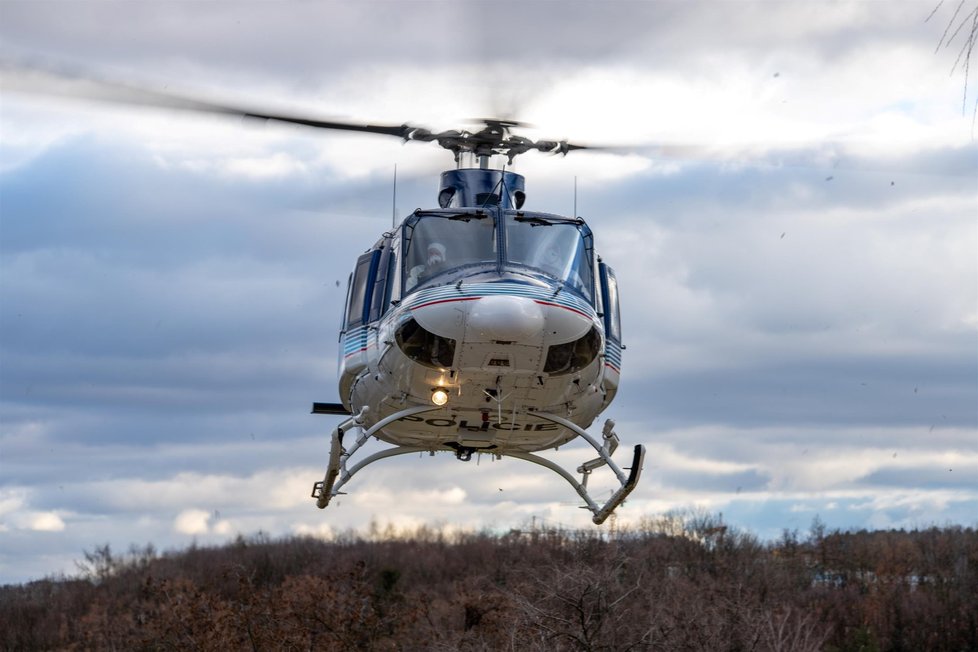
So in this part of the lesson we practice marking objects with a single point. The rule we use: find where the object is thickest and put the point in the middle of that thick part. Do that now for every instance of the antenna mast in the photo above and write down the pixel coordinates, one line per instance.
(394, 201)
(575, 195)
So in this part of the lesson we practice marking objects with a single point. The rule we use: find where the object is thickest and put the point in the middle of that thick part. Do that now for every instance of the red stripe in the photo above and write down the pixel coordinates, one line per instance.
(434, 303)
(359, 351)
(557, 305)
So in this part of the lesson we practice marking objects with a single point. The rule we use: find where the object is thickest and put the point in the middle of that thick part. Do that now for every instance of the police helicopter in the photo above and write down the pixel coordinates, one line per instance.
(480, 328)
(475, 328)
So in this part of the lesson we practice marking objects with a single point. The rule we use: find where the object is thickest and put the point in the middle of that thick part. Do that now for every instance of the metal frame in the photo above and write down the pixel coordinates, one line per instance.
(337, 473)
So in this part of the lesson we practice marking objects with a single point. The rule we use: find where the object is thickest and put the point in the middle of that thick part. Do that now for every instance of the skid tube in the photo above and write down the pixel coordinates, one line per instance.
(337, 473)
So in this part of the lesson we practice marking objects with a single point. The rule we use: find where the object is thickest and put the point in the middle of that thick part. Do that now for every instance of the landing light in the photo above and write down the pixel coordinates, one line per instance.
(439, 396)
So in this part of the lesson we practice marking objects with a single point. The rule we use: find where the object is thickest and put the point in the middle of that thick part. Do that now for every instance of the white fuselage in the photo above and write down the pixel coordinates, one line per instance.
(497, 330)
(495, 379)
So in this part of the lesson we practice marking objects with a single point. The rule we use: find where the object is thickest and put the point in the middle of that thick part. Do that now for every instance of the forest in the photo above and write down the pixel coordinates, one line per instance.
(675, 582)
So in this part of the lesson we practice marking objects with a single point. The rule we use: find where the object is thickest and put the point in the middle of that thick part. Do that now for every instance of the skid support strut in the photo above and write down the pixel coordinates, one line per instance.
(627, 482)
(338, 474)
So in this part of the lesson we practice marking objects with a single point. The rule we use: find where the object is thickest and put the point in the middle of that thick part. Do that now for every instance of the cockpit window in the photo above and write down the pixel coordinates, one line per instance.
(557, 248)
(438, 244)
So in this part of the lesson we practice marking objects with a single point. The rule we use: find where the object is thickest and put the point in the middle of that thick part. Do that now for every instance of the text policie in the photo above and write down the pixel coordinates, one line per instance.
(484, 425)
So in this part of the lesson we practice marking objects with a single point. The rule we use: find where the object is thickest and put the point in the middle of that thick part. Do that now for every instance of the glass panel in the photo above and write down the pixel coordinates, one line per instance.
(358, 290)
(346, 305)
(615, 317)
(378, 305)
(440, 244)
(554, 248)
(573, 356)
(425, 348)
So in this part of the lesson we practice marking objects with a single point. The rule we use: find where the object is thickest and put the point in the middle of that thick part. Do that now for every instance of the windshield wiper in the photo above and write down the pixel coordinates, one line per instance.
(550, 220)
(533, 220)
(477, 214)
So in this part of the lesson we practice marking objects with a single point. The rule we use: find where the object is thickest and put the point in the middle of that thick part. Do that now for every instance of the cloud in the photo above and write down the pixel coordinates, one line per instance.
(192, 521)
(15, 513)
(46, 522)
(11, 500)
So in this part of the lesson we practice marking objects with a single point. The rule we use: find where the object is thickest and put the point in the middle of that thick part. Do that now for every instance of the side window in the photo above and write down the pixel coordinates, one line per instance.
(361, 289)
(379, 301)
(393, 290)
(609, 296)
(346, 305)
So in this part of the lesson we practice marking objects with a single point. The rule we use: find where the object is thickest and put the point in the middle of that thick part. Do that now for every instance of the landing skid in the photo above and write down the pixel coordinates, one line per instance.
(338, 473)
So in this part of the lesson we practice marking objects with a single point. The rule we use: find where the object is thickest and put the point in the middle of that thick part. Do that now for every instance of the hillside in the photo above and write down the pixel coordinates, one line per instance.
(690, 583)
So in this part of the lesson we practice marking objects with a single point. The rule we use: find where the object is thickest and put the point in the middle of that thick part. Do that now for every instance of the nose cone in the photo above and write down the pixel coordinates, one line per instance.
(505, 318)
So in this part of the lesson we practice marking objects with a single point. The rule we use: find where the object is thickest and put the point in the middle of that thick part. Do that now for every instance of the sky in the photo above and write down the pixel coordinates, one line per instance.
(799, 285)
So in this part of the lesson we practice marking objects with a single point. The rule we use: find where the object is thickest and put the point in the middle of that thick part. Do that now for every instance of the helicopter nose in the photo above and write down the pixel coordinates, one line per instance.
(505, 318)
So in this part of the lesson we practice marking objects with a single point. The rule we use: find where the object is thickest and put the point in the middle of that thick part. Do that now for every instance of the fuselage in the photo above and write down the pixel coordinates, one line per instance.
(494, 311)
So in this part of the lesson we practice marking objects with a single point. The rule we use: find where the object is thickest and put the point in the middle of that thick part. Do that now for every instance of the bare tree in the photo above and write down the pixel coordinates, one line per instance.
(586, 603)
(962, 28)
(788, 630)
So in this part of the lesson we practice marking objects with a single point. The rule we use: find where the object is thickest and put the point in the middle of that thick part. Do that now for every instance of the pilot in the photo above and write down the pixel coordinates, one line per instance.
(435, 263)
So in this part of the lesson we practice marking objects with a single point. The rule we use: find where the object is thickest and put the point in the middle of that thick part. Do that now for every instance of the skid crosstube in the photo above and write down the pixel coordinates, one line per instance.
(337, 473)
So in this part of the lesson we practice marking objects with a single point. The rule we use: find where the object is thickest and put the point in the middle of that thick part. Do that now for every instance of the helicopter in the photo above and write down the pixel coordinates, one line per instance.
(474, 328)
(480, 328)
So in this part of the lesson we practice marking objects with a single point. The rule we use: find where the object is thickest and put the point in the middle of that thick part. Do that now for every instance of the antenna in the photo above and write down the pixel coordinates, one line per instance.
(394, 201)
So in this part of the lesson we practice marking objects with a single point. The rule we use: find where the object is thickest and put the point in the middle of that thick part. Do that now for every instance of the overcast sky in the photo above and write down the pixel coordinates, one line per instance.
(800, 302)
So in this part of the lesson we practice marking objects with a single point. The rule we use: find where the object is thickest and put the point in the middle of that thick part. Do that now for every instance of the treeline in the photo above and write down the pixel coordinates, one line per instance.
(689, 583)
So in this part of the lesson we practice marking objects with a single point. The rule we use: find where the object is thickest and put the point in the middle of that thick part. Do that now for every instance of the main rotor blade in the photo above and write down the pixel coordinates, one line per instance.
(37, 81)
(493, 139)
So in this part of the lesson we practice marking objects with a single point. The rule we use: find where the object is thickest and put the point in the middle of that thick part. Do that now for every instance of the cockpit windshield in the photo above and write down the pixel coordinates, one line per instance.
(535, 244)
(554, 247)
(438, 244)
